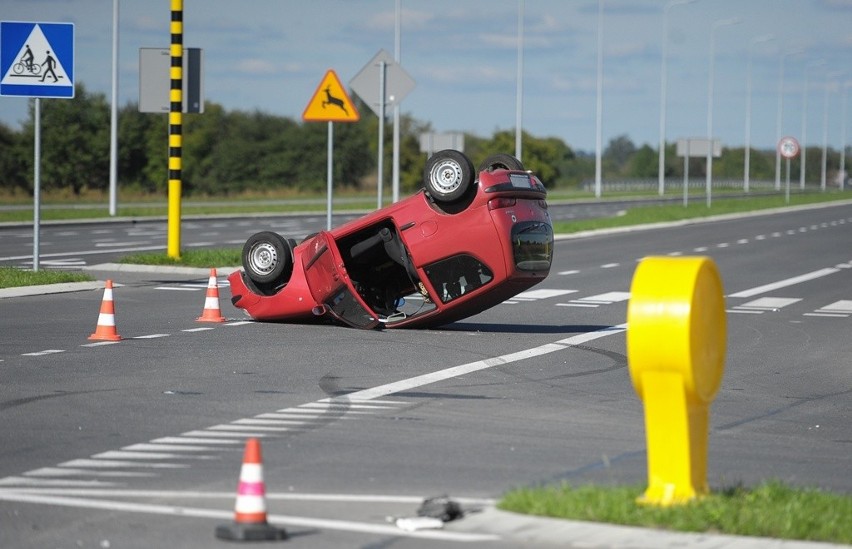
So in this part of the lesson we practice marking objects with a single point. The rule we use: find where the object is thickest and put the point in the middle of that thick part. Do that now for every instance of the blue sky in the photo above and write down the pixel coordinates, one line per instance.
(270, 55)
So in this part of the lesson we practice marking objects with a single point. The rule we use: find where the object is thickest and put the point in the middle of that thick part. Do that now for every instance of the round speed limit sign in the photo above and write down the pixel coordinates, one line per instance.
(788, 147)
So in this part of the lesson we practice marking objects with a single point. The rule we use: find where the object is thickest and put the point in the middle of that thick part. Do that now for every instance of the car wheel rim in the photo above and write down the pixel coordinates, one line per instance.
(263, 258)
(446, 176)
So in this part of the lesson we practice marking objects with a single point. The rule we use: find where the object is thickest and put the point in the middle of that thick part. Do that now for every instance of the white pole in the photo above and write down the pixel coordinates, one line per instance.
(747, 160)
(329, 174)
(36, 183)
(716, 26)
(519, 94)
(113, 123)
(599, 103)
(824, 137)
(804, 142)
(843, 136)
(382, 92)
(661, 167)
(396, 129)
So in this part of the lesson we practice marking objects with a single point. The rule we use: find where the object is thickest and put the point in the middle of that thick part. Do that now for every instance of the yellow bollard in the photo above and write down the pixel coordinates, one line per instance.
(676, 338)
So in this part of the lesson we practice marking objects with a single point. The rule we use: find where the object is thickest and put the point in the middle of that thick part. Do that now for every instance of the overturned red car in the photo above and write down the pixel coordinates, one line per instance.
(464, 243)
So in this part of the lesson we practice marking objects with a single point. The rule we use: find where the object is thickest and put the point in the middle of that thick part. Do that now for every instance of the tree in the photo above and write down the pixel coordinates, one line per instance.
(618, 153)
(74, 141)
(644, 163)
(13, 172)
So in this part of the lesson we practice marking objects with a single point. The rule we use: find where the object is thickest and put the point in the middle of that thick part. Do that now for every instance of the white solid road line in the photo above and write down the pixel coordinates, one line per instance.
(286, 520)
(786, 282)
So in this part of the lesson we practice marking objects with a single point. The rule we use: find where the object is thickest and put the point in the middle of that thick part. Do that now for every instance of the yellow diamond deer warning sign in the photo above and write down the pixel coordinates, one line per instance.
(330, 103)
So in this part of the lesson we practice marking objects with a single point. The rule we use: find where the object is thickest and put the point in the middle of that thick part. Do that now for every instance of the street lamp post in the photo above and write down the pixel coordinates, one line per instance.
(716, 25)
(804, 153)
(661, 170)
(780, 116)
(845, 86)
(519, 96)
(599, 104)
(747, 160)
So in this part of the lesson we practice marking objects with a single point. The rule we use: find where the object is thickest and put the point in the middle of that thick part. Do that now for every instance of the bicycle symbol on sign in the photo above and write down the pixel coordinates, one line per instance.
(26, 64)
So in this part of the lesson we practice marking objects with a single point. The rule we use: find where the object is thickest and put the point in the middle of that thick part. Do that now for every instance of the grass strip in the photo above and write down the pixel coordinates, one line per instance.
(205, 258)
(642, 215)
(770, 509)
(13, 277)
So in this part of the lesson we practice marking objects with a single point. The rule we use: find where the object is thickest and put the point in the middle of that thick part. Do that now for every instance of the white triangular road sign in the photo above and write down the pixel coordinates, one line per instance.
(44, 68)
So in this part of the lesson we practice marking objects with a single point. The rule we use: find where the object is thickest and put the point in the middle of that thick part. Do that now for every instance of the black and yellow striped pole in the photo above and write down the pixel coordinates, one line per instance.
(175, 128)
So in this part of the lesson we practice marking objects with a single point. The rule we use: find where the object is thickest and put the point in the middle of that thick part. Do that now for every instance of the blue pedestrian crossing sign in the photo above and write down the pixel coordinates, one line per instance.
(37, 59)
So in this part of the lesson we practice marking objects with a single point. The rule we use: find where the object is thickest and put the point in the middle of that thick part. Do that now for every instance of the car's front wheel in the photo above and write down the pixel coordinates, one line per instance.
(448, 175)
(268, 258)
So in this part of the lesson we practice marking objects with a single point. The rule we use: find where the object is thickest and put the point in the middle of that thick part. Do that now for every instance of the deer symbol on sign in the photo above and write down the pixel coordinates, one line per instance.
(331, 100)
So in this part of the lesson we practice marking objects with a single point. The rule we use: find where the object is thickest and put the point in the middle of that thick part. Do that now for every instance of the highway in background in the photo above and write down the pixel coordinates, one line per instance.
(138, 443)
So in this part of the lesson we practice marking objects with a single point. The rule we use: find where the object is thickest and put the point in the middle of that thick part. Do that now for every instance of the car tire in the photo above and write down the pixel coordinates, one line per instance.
(448, 175)
(501, 161)
(267, 258)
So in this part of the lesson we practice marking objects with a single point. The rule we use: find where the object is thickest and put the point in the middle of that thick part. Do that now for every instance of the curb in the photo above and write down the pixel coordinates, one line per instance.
(66, 287)
(528, 531)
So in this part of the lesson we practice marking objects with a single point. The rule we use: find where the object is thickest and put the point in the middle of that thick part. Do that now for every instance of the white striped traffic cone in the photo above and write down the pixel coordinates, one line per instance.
(211, 312)
(250, 509)
(105, 329)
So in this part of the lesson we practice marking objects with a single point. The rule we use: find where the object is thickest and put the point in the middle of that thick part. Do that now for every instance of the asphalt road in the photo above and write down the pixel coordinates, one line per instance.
(139, 443)
(74, 244)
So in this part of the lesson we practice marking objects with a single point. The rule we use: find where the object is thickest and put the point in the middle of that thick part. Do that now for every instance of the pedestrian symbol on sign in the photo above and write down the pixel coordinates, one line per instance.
(37, 59)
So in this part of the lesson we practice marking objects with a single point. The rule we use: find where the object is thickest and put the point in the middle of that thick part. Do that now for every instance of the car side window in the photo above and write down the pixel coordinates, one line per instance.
(458, 275)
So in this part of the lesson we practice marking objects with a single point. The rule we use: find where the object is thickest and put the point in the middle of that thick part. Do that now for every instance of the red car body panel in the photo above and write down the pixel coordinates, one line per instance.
(498, 244)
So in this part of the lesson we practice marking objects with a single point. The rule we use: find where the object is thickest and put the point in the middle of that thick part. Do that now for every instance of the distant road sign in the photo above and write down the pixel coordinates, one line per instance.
(330, 102)
(155, 80)
(398, 83)
(37, 59)
(788, 147)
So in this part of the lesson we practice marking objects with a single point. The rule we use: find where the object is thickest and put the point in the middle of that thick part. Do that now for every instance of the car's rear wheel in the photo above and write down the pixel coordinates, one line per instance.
(268, 258)
(448, 175)
(501, 161)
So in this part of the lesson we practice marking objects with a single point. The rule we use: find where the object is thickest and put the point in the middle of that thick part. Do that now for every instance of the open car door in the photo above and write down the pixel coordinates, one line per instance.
(330, 285)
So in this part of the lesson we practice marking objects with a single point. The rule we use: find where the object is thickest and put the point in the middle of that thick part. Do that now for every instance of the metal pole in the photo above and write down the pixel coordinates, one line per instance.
(175, 128)
(747, 160)
(714, 28)
(843, 137)
(36, 183)
(787, 191)
(519, 95)
(661, 167)
(396, 128)
(804, 142)
(382, 91)
(113, 123)
(329, 174)
(599, 103)
(824, 138)
(686, 176)
(803, 161)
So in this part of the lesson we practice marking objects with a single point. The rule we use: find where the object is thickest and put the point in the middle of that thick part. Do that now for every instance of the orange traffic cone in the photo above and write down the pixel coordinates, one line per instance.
(106, 319)
(250, 509)
(211, 311)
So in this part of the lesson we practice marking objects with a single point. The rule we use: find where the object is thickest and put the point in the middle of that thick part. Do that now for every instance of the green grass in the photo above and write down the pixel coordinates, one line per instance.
(771, 509)
(12, 277)
(206, 258)
(640, 215)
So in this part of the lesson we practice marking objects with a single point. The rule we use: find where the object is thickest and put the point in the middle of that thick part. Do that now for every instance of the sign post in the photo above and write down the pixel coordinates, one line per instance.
(789, 148)
(330, 103)
(37, 60)
(394, 84)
